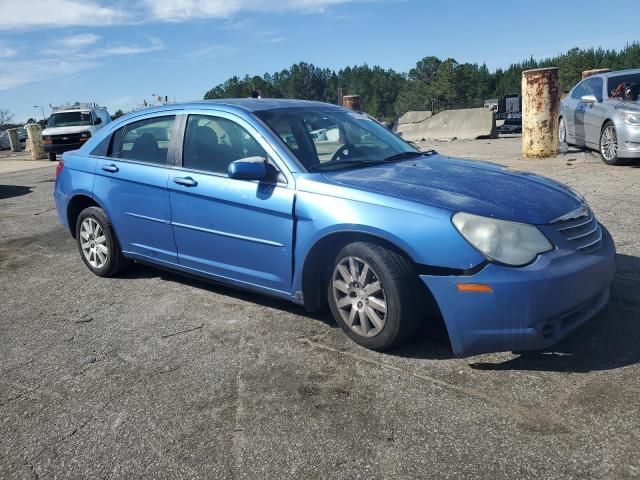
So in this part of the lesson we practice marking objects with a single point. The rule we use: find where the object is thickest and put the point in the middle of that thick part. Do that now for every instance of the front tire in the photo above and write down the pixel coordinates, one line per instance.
(609, 145)
(98, 244)
(562, 131)
(374, 295)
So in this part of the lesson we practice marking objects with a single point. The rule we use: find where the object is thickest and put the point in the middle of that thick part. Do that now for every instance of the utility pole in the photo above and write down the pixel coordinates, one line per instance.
(41, 109)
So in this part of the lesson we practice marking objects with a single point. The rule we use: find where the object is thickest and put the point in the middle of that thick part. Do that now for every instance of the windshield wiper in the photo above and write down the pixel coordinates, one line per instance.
(406, 155)
(367, 163)
(343, 164)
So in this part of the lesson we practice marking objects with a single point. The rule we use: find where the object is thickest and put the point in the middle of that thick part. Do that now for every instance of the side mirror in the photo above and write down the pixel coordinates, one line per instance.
(250, 168)
(98, 121)
(589, 99)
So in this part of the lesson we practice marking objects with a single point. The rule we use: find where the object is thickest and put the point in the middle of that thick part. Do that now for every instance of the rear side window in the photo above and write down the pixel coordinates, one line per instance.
(212, 143)
(143, 141)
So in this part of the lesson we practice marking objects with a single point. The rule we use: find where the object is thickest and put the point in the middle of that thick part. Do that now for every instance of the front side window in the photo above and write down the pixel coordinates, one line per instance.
(595, 88)
(614, 82)
(580, 90)
(143, 141)
(332, 138)
(212, 143)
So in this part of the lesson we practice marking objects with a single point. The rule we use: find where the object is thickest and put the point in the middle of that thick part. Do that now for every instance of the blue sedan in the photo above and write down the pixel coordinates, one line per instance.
(317, 204)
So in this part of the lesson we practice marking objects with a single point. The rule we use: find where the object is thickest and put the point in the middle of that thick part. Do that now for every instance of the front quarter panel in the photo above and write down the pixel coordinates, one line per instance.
(426, 235)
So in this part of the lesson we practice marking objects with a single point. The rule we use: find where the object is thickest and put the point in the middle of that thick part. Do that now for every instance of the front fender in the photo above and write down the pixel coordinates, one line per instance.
(427, 239)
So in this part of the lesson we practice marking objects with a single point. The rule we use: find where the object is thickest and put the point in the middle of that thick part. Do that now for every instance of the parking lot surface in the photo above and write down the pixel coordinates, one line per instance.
(153, 375)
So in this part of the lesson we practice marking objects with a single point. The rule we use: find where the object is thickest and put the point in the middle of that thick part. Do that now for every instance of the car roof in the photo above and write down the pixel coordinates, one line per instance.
(247, 104)
(617, 73)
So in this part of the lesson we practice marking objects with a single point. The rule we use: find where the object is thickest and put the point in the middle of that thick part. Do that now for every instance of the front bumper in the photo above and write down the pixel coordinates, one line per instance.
(531, 307)
(628, 140)
(61, 148)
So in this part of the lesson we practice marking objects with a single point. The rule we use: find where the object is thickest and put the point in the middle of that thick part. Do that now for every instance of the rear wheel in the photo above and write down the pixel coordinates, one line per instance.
(98, 244)
(609, 145)
(374, 295)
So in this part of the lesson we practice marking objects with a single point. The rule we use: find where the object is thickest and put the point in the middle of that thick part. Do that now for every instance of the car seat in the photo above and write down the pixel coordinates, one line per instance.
(145, 149)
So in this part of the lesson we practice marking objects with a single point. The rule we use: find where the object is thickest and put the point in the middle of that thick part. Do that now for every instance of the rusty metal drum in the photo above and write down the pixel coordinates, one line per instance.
(540, 109)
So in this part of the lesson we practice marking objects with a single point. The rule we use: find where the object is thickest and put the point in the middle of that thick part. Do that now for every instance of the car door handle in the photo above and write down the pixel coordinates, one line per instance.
(185, 181)
(110, 168)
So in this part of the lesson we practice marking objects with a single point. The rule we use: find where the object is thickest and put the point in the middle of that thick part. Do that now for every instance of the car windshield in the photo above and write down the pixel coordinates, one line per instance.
(332, 138)
(69, 119)
(613, 82)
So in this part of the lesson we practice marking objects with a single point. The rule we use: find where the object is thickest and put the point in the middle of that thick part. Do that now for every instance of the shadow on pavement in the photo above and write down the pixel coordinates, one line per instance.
(10, 191)
(608, 341)
(146, 271)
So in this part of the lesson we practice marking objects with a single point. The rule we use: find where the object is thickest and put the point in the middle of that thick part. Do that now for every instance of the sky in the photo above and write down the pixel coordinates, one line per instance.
(120, 52)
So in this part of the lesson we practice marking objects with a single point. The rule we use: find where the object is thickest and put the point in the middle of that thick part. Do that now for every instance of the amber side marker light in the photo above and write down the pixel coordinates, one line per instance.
(474, 287)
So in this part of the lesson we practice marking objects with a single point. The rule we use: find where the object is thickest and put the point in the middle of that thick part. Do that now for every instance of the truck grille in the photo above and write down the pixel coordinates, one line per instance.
(65, 139)
(583, 231)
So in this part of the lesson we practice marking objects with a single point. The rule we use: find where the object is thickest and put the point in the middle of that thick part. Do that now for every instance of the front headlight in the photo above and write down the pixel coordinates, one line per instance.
(631, 118)
(84, 136)
(510, 243)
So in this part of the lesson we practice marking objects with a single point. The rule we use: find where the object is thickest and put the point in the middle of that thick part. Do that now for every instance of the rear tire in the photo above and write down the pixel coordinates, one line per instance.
(98, 244)
(609, 145)
(374, 295)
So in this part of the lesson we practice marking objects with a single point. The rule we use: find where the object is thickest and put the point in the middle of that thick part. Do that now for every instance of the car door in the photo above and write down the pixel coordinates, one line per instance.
(579, 133)
(594, 114)
(234, 229)
(570, 104)
(131, 183)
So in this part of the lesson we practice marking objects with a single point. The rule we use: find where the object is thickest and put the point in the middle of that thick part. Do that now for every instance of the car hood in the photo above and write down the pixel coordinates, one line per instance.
(479, 188)
(629, 106)
(66, 130)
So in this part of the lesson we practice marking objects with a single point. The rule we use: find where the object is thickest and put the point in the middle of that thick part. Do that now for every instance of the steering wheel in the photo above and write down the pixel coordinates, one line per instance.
(345, 151)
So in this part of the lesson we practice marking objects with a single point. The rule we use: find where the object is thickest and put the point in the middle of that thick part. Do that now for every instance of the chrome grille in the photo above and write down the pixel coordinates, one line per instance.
(583, 231)
(65, 139)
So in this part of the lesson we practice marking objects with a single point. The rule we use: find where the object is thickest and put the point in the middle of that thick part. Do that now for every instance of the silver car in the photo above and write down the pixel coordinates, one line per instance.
(602, 112)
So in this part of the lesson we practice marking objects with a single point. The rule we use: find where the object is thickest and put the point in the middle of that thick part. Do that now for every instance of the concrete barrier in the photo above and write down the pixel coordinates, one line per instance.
(14, 140)
(34, 141)
(409, 121)
(416, 116)
(468, 123)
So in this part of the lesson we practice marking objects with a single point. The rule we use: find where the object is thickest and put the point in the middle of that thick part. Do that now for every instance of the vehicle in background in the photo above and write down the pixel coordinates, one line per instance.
(602, 113)
(504, 106)
(70, 126)
(4, 138)
(492, 104)
(511, 125)
(318, 204)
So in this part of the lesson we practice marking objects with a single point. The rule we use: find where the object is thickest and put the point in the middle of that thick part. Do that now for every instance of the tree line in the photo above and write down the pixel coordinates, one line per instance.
(433, 84)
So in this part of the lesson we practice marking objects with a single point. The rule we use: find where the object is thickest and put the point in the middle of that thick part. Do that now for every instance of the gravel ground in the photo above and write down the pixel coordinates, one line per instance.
(152, 375)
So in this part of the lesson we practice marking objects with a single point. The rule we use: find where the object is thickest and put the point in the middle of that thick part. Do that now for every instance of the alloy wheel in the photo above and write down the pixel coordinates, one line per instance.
(359, 296)
(562, 131)
(609, 143)
(93, 243)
